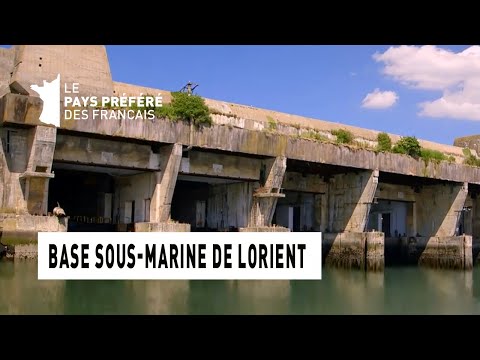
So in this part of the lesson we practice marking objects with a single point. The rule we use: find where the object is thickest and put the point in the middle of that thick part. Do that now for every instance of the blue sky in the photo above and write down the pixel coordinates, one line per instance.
(325, 82)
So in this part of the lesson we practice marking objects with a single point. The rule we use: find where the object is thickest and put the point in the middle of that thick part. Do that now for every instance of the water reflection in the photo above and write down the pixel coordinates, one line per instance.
(396, 291)
(22, 293)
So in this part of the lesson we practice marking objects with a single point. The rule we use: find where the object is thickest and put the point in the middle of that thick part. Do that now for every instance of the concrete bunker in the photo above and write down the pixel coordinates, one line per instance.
(92, 197)
(211, 203)
(425, 221)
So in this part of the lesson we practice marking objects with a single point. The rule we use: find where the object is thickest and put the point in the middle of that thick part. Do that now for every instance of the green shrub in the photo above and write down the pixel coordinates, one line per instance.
(343, 136)
(384, 143)
(186, 107)
(470, 159)
(408, 145)
(451, 159)
(432, 155)
(272, 124)
(313, 135)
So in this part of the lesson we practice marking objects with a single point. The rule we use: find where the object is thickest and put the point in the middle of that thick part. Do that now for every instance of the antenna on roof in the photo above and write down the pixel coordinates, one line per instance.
(189, 88)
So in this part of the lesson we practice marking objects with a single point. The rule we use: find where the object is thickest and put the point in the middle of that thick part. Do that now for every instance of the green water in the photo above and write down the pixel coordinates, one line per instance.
(396, 291)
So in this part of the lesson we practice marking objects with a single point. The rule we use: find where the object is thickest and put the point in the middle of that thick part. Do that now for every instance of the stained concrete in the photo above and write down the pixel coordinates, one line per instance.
(162, 227)
(265, 197)
(440, 209)
(350, 198)
(363, 251)
(244, 143)
(443, 252)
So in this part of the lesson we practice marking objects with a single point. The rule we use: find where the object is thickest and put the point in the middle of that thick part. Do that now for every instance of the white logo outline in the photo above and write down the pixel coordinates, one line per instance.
(50, 95)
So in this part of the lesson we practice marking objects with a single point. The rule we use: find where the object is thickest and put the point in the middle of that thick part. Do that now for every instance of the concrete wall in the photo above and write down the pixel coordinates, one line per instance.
(162, 227)
(398, 217)
(306, 204)
(21, 232)
(476, 217)
(136, 188)
(231, 139)
(13, 161)
(443, 252)
(251, 118)
(438, 209)
(364, 251)
(228, 205)
(6, 66)
(295, 181)
(349, 199)
(84, 150)
(220, 165)
(84, 64)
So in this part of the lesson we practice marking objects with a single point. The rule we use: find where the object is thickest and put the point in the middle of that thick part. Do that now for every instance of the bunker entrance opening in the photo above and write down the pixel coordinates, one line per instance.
(87, 195)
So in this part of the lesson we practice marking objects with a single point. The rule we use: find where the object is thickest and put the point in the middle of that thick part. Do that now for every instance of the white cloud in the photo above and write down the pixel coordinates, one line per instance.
(455, 75)
(379, 99)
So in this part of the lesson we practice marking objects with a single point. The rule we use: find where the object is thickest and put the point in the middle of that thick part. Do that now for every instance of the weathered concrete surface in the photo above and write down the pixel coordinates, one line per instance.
(256, 119)
(452, 252)
(325, 153)
(266, 196)
(228, 205)
(26, 157)
(20, 109)
(475, 216)
(85, 64)
(395, 192)
(264, 229)
(294, 181)
(91, 151)
(253, 142)
(162, 227)
(25, 251)
(364, 251)
(220, 165)
(350, 198)
(165, 183)
(471, 142)
(375, 251)
(30, 223)
(156, 187)
(439, 209)
(6, 66)
(133, 188)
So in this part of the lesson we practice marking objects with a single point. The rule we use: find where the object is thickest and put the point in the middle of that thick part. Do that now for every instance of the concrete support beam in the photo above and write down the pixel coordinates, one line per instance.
(447, 252)
(354, 250)
(26, 158)
(265, 198)
(350, 199)
(41, 147)
(165, 179)
(439, 209)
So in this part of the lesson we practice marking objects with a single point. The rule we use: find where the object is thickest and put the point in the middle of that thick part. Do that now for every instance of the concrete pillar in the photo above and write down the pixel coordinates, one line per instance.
(165, 179)
(265, 198)
(476, 217)
(350, 199)
(439, 208)
(41, 147)
(467, 217)
(412, 219)
(321, 212)
(26, 168)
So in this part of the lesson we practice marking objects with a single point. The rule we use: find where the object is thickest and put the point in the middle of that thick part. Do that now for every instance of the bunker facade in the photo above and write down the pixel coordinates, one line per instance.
(251, 170)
